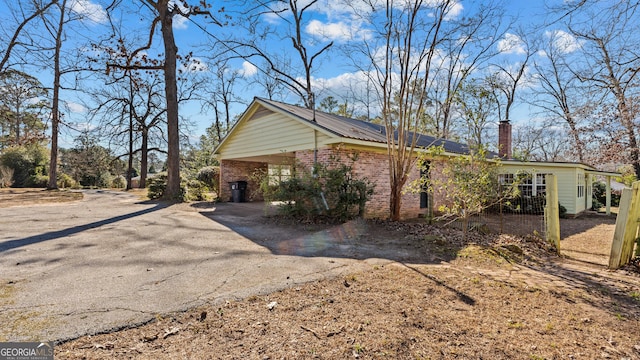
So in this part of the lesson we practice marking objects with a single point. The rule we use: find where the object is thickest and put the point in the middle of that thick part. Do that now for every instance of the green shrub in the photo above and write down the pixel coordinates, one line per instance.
(67, 182)
(596, 205)
(209, 175)
(119, 182)
(330, 192)
(25, 161)
(196, 190)
(156, 186)
(37, 181)
(190, 190)
(562, 210)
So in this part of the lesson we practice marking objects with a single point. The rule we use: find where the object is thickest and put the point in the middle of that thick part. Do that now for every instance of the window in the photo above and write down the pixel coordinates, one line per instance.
(279, 173)
(580, 186)
(541, 184)
(528, 185)
(505, 179)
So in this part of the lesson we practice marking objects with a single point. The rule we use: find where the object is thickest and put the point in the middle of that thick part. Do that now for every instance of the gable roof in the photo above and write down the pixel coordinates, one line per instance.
(356, 129)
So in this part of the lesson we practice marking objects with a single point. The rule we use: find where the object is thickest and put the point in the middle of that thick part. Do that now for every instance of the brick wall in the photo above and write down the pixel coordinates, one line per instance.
(373, 166)
(232, 170)
(504, 139)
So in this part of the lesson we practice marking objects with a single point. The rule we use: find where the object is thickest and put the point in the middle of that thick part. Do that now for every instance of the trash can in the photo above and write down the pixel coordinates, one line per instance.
(238, 191)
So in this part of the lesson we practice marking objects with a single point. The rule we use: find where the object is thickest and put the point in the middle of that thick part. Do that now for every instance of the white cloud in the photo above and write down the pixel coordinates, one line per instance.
(89, 10)
(511, 44)
(180, 22)
(337, 31)
(354, 86)
(563, 41)
(248, 69)
(75, 107)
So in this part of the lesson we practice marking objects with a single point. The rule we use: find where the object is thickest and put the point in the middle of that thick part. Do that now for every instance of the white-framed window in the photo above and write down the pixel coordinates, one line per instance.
(541, 184)
(279, 173)
(580, 186)
(528, 185)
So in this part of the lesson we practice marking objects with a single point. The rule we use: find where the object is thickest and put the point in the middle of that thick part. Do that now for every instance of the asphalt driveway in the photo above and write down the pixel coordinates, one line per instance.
(111, 261)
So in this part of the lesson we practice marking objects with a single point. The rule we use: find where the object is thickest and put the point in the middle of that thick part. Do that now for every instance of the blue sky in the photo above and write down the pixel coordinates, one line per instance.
(327, 21)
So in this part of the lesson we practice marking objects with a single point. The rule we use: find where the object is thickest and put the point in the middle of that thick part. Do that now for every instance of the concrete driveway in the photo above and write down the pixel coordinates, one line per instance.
(111, 261)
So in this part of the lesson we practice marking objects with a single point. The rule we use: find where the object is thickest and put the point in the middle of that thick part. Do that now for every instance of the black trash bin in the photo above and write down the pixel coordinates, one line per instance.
(238, 191)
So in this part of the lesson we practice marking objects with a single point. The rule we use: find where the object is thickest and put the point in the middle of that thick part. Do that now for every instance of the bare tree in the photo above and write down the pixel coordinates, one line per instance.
(268, 80)
(220, 96)
(477, 106)
(469, 44)
(402, 55)
(57, 30)
(26, 13)
(509, 77)
(163, 13)
(559, 95)
(609, 66)
(545, 142)
(296, 75)
(57, 24)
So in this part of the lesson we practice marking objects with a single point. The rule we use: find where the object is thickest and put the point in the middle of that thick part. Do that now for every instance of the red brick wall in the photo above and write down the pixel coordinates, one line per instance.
(232, 170)
(504, 139)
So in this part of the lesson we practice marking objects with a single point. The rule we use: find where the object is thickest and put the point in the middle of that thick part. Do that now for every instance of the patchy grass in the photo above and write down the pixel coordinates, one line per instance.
(27, 196)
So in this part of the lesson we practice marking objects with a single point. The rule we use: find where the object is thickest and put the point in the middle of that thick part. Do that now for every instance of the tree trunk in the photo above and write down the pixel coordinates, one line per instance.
(130, 162)
(395, 202)
(55, 109)
(172, 191)
(144, 158)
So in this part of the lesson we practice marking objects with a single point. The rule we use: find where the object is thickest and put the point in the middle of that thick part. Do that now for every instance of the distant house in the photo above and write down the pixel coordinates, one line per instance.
(273, 135)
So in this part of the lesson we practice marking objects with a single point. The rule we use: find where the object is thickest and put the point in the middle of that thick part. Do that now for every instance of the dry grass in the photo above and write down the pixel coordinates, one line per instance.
(27, 196)
(476, 306)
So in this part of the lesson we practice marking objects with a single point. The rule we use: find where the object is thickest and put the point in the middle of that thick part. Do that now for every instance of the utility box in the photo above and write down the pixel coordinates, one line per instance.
(238, 191)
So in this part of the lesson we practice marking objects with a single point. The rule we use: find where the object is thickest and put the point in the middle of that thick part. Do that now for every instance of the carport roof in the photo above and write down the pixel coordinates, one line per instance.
(356, 129)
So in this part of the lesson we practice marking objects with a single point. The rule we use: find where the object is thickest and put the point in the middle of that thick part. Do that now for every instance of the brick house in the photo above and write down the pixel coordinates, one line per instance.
(272, 135)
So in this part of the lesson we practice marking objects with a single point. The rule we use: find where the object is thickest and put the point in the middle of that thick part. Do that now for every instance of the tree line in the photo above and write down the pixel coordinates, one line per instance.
(447, 68)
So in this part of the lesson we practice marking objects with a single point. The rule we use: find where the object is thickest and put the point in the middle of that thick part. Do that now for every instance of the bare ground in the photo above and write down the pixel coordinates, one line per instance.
(484, 297)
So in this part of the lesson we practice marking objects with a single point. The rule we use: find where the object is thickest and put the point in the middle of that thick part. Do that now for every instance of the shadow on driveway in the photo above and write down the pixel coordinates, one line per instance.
(357, 239)
(12, 244)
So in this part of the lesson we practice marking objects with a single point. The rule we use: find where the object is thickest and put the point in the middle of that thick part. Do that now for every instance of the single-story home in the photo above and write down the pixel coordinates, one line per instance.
(273, 135)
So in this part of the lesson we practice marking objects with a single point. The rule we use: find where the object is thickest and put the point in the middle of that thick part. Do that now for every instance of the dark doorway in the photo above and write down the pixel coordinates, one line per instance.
(424, 193)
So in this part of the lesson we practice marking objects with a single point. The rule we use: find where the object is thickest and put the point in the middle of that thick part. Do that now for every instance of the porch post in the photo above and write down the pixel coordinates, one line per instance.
(608, 192)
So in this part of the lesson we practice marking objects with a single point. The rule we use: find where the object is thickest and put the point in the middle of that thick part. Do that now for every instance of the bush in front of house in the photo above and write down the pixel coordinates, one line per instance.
(329, 192)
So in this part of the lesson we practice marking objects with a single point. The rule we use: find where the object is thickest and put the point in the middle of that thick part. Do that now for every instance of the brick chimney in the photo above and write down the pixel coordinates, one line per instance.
(504, 139)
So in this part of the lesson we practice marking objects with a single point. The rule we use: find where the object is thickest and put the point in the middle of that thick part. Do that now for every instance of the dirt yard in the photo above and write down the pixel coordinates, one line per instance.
(443, 296)
(488, 296)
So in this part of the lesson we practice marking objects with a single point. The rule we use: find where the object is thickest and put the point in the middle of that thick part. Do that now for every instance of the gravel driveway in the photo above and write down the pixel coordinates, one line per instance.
(111, 261)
